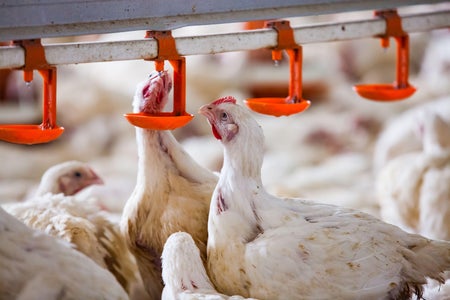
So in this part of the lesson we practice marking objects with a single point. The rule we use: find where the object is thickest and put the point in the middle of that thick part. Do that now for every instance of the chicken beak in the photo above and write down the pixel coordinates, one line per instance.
(205, 110)
(96, 179)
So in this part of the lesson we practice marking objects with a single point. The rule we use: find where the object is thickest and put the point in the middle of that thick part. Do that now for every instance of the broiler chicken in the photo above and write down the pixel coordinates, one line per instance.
(400, 137)
(272, 248)
(183, 272)
(76, 221)
(172, 191)
(78, 178)
(34, 265)
(413, 189)
(68, 178)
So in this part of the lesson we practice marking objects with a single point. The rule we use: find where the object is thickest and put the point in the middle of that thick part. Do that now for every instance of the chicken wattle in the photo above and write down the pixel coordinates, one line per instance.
(412, 188)
(56, 211)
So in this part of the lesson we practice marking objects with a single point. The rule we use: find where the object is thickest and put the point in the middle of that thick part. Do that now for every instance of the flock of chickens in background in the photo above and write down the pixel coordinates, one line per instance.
(200, 219)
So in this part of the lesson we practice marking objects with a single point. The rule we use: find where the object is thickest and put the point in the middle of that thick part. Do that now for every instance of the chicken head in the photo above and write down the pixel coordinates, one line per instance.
(152, 96)
(68, 178)
(222, 123)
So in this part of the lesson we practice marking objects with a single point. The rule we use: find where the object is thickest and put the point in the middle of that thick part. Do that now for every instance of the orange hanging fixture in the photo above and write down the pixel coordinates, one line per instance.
(178, 117)
(400, 88)
(293, 103)
(47, 130)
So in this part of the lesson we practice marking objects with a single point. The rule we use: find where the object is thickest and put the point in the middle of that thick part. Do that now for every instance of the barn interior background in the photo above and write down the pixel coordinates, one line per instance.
(328, 153)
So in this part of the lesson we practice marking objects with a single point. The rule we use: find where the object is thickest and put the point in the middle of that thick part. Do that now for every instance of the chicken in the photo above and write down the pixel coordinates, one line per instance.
(271, 248)
(34, 265)
(75, 177)
(400, 136)
(413, 190)
(83, 225)
(183, 271)
(434, 71)
(68, 178)
(78, 221)
(172, 191)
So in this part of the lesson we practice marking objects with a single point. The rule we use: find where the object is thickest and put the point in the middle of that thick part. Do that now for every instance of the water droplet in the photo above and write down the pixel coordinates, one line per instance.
(276, 63)
(28, 84)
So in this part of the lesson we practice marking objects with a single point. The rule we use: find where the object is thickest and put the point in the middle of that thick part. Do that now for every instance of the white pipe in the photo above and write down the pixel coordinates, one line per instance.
(72, 53)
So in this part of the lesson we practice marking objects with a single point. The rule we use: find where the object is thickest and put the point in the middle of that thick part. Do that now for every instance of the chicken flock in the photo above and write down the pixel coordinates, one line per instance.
(349, 200)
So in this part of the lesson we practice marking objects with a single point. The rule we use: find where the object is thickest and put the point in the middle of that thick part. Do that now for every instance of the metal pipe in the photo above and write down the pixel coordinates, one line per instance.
(32, 19)
(72, 53)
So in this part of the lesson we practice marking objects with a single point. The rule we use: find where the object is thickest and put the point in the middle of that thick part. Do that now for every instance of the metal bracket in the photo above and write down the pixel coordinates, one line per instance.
(178, 117)
(293, 103)
(401, 88)
(47, 130)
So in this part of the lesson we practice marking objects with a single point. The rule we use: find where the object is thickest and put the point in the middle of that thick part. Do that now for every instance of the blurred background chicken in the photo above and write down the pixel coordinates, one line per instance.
(413, 188)
(67, 178)
(56, 211)
(400, 134)
(34, 265)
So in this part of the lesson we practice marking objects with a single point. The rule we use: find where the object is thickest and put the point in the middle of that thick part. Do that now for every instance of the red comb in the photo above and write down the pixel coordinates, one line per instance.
(229, 99)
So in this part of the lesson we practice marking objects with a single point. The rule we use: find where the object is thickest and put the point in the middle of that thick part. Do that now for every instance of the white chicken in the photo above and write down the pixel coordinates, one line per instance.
(413, 189)
(79, 178)
(76, 221)
(399, 136)
(69, 178)
(183, 272)
(34, 265)
(271, 248)
(172, 191)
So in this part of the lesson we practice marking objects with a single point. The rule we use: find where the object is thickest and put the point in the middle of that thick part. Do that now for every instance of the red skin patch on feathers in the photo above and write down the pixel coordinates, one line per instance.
(194, 285)
(145, 90)
(226, 99)
(184, 287)
(221, 205)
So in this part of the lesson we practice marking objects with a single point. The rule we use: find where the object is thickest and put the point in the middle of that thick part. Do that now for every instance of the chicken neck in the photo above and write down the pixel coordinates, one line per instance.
(233, 210)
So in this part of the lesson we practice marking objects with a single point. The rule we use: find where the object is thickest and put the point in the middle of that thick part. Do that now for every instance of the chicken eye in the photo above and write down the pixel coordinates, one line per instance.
(224, 116)
(77, 174)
